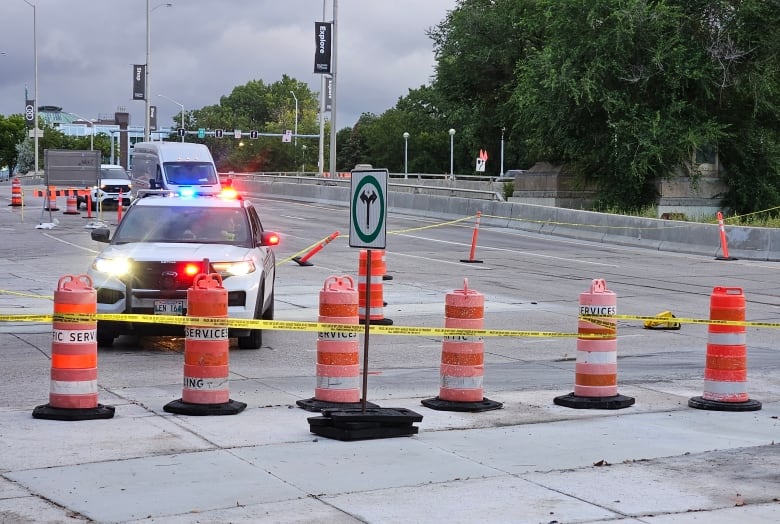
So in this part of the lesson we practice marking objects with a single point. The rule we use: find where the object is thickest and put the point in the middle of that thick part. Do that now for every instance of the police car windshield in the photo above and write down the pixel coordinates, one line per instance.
(114, 172)
(197, 225)
(190, 173)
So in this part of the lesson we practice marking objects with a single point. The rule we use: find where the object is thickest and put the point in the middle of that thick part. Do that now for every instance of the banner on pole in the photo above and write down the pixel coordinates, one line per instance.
(329, 93)
(322, 38)
(152, 118)
(139, 82)
(29, 113)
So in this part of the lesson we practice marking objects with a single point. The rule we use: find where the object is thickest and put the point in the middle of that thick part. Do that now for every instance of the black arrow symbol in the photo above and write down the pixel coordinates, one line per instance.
(368, 200)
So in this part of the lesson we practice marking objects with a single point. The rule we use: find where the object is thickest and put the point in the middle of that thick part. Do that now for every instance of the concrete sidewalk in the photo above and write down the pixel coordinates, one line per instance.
(658, 461)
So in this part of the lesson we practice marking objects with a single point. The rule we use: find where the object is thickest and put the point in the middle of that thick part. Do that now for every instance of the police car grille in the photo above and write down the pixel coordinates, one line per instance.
(163, 276)
(125, 189)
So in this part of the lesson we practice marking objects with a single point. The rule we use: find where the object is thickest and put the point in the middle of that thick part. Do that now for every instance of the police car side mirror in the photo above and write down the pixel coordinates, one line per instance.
(269, 238)
(101, 234)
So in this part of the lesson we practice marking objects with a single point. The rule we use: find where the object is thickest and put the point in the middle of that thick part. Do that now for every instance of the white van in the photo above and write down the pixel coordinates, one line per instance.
(175, 166)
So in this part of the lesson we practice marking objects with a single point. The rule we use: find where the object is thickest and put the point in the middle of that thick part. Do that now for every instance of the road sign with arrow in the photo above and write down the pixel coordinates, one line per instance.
(368, 209)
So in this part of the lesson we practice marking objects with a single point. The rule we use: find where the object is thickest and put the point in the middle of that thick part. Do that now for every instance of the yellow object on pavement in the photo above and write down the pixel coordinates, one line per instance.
(664, 321)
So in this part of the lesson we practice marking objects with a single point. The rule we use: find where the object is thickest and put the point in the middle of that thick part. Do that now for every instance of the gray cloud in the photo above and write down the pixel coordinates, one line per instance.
(201, 49)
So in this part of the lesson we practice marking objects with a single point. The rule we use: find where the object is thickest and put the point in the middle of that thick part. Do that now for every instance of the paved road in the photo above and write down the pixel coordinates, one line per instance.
(532, 461)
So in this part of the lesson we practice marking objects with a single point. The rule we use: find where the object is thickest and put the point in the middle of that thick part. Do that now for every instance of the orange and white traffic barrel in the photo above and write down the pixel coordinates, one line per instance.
(374, 310)
(73, 393)
(382, 270)
(338, 352)
(51, 199)
(206, 389)
(462, 356)
(595, 376)
(71, 203)
(16, 193)
(725, 371)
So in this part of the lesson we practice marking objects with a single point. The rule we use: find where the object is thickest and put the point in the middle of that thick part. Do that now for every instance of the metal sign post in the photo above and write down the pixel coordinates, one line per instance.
(367, 229)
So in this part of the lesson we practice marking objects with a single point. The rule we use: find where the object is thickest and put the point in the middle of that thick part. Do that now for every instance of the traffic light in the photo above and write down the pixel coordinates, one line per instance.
(201, 133)
(253, 134)
(182, 132)
(218, 133)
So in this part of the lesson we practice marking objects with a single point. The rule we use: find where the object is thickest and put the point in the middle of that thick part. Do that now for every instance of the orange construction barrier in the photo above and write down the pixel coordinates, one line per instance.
(725, 371)
(89, 204)
(474, 236)
(304, 260)
(375, 308)
(462, 356)
(119, 209)
(206, 353)
(74, 391)
(71, 203)
(595, 377)
(382, 270)
(724, 245)
(16, 193)
(51, 200)
(338, 352)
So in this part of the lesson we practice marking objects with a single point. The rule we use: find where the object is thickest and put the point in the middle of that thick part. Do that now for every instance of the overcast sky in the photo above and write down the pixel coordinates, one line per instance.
(202, 49)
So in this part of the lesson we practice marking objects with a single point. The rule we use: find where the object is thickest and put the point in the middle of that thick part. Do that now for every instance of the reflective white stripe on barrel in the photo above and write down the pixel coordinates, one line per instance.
(597, 357)
(727, 339)
(452, 382)
(713, 387)
(84, 387)
(338, 382)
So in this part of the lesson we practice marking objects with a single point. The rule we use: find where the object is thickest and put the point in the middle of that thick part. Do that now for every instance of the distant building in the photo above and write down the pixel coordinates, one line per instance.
(74, 125)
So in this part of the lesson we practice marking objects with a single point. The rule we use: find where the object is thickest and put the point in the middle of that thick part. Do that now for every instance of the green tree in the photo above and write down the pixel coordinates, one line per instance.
(624, 91)
(478, 46)
(12, 133)
(267, 108)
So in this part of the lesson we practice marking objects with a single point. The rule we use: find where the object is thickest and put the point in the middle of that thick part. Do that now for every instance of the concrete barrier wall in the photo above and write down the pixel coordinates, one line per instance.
(662, 235)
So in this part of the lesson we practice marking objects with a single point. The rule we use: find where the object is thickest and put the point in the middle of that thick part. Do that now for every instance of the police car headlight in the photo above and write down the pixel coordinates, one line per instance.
(234, 268)
(116, 267)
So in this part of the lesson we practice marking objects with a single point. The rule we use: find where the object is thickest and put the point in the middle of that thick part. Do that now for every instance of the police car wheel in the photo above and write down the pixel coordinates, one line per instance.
(252, 341)
(255, 338)
(105, 339)
(268, 314)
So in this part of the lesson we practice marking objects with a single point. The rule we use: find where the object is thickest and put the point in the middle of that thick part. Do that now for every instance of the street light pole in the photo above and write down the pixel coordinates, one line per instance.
(502, 150)
(147, 122)
(295, 140)
(452, 145)
(91, 129)
(182, 111)
(406, 155)
(334, 90)
(147, 116)
(37, 102)
(296, 119)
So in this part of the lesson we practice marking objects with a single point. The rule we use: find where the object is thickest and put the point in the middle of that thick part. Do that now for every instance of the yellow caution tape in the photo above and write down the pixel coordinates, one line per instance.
(595, 319)
(289, 325)
(26, 295)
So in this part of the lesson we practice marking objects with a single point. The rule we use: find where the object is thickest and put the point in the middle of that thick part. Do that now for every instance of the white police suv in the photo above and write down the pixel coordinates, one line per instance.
(163, 241)
(112, 182)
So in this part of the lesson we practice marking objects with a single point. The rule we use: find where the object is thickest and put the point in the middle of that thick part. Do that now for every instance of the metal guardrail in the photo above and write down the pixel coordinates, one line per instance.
(312, 178)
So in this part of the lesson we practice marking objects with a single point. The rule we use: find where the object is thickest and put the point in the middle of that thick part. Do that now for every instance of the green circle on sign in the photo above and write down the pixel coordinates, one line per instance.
(370, 236)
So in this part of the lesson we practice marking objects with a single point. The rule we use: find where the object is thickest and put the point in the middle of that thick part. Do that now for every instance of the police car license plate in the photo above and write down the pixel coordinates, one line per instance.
(168, 307)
